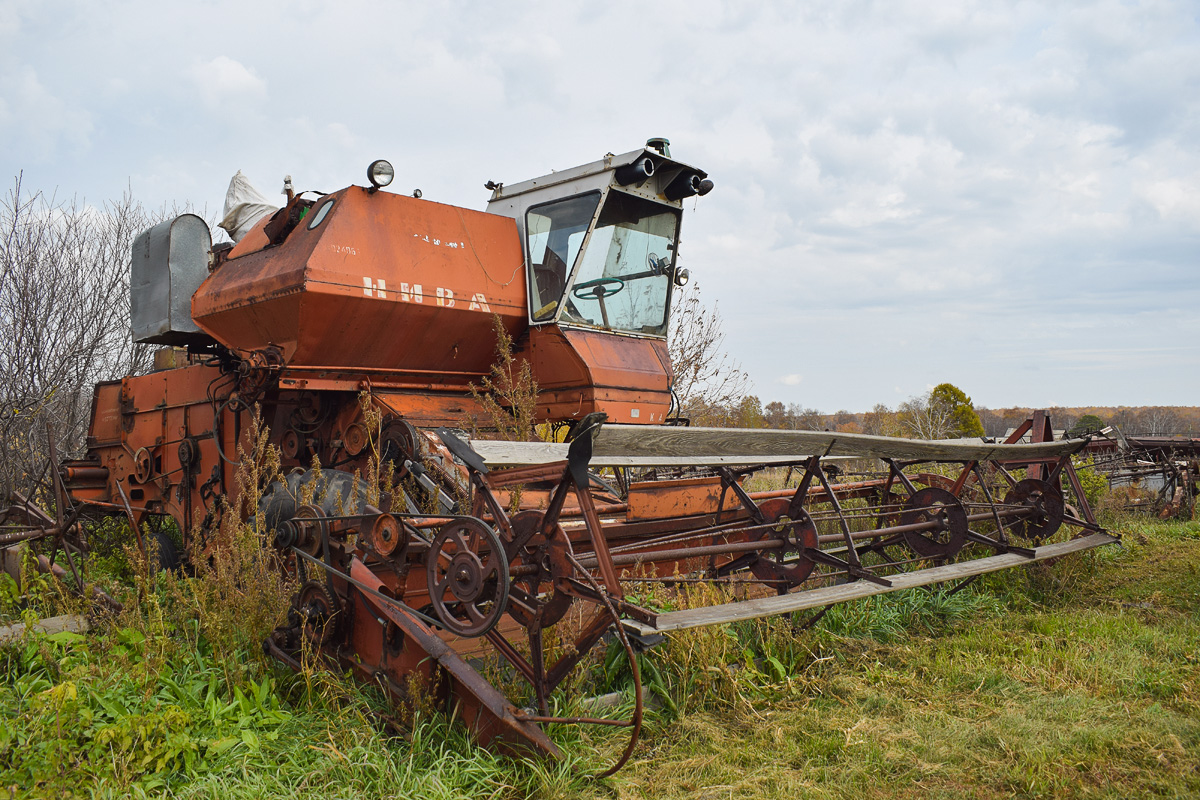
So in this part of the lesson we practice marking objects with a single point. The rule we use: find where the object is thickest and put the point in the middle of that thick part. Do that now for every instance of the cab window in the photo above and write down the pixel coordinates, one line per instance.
(554, 233)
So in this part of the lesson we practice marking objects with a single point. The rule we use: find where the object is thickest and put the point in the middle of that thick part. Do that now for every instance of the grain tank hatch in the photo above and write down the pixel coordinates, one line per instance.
(168, 263)
(601, 244)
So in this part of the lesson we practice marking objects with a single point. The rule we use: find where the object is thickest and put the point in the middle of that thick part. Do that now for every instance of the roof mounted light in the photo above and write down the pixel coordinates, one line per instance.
(684, 186)
(636, 172)
(380, 174)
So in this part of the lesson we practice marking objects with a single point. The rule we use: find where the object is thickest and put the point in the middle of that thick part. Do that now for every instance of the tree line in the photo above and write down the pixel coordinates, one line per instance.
(713, 390)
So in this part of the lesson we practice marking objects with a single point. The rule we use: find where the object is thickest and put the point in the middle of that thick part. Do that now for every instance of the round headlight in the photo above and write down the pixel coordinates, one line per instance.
(681, 277)
(380, 173)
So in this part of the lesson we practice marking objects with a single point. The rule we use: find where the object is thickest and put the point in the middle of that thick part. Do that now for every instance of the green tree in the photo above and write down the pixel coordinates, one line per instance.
(1087, 424)
(944, 413)
(962, 411)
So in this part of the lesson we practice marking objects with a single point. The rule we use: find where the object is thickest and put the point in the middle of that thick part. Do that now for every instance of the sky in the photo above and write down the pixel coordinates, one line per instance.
(1005, 196)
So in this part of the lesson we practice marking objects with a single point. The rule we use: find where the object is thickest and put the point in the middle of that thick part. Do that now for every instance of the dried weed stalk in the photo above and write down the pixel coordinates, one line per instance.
(508, 396)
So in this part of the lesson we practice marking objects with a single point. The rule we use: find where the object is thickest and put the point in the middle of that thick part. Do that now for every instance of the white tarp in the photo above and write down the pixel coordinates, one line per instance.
(244, 207)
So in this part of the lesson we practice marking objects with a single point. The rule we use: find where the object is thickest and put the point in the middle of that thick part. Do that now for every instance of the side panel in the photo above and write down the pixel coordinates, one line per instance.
(105, 427)
(138, 427)
(581, 371)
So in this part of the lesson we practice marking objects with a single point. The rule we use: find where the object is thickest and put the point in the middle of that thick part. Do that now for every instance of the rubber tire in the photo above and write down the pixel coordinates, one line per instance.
(168, 553)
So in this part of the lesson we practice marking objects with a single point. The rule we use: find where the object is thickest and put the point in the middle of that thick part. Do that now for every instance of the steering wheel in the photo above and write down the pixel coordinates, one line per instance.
(599, 288)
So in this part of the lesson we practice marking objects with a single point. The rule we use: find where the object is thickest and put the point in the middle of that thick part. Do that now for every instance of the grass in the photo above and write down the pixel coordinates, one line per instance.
(1077, 679)
(1084, 682)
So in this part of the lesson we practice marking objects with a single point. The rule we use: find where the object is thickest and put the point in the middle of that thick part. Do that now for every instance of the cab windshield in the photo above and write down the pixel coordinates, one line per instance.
(553, 235)
(623, 278)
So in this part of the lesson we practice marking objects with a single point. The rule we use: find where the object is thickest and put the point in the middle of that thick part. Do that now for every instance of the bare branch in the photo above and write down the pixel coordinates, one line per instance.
(708, 382)
(64, 320)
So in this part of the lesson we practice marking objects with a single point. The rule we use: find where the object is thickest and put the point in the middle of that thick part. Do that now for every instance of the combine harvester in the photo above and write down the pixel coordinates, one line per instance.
(358, 322)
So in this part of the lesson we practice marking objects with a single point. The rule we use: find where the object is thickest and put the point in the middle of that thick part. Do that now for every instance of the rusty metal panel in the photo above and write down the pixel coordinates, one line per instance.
(664, 499)
(106, 414)
(382, 282)
(581, 371)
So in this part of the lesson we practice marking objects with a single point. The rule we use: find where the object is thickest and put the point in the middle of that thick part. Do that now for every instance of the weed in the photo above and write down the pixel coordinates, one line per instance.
(508, 396)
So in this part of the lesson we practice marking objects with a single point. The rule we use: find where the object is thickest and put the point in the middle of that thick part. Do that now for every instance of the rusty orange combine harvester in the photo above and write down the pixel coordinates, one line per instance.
(358, 323)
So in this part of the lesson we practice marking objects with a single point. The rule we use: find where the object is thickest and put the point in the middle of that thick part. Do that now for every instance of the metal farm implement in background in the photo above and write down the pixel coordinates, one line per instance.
(359, 323)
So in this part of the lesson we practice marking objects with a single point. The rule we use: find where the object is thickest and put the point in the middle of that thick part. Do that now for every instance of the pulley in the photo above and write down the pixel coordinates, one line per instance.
(467, 574)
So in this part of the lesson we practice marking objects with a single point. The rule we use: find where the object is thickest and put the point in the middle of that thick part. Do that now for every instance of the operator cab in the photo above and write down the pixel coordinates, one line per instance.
(601, 239)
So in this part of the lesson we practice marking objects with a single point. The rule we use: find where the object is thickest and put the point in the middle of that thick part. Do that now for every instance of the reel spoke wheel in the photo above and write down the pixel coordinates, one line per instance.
(535, 597)
(1046, 505)
(787, 564)
(467, 575)
(940, 506)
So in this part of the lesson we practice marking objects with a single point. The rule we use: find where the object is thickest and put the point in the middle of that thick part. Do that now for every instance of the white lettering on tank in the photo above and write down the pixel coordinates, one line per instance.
(479, 303)
(411, 294)
(375, 288)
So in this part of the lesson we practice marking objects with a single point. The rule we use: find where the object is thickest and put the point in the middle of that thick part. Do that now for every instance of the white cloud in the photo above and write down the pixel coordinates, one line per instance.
(223, 80)
(794, 379)
(1174, 198)
(36, 120)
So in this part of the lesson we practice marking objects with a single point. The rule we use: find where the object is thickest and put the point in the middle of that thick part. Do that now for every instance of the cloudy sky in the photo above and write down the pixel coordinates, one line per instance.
(1001, 195)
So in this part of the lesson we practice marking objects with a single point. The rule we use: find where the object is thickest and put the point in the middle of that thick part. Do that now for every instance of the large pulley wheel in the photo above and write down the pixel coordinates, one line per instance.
(540, 561)
(1045, 505)
(949, 519)
(318, 613)
(467, 574)
(788, 565)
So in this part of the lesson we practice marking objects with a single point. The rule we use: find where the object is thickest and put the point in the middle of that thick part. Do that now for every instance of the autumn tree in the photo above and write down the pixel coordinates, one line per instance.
(844, 422)
(994, 424)
(1158, 421)
(750, 413)
(1063, 418)
(1125, 418)
(776, 414)
(810, 419)
(881, 421)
